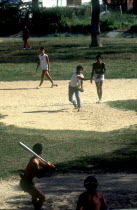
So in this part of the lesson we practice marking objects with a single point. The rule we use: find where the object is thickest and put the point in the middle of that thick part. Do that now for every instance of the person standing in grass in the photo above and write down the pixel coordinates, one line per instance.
(26, 35)
(91, 199)
(35, 168)
(75, 86)
(45, 67)
(98, 71)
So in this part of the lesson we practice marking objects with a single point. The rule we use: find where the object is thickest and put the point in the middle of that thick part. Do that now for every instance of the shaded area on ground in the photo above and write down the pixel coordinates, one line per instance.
(62, 191)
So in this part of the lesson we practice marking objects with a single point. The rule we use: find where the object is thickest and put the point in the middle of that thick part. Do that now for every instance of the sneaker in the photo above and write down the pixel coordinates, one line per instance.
(38, 87)
(74, 104)
(54, 85)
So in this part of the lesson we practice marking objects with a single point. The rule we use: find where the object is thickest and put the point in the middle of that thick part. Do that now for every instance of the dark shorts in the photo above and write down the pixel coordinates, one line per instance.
(26, 185)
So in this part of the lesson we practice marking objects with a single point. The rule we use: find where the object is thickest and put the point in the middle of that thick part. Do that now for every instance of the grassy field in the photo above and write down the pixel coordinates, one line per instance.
(65, 54)
(70, 150)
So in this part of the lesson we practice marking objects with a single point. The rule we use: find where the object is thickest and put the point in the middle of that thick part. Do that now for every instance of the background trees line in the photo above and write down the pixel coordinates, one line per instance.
(62, 20)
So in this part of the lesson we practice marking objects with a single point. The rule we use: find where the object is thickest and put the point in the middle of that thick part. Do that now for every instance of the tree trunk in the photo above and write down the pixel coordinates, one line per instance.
(135, 6)
(35, 4)
(95, 24)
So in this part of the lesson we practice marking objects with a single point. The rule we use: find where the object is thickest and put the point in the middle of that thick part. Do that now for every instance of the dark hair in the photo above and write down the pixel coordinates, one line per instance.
(79, 68)
(37, 148)
(42, 48)
(98, 56)
(90, 183)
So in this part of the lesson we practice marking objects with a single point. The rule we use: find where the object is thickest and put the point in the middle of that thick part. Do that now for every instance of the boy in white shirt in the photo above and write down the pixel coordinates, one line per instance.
(75, 86)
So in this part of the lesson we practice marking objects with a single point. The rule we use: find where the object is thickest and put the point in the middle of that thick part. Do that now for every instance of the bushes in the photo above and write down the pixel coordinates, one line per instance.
(9, 21)
(59, 20)
(114, 21)
(65, 19)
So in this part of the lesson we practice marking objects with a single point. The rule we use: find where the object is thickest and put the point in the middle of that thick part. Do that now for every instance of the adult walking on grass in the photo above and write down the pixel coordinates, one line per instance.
(76, 86)
(98, 71)
(26, 35)
(45, 67)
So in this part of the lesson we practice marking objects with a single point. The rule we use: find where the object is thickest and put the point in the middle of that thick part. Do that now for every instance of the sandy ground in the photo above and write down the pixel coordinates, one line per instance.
(62, 191)
(48, 108)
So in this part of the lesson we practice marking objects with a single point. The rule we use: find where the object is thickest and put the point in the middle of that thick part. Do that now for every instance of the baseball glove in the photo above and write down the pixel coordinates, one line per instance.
(81, 89)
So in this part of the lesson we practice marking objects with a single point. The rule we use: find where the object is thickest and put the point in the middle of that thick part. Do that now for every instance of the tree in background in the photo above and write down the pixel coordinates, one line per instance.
(135, 6)
(35, 4)
(95, 24)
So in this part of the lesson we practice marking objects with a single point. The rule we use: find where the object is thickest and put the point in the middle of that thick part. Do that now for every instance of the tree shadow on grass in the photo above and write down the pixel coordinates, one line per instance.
(124, 104)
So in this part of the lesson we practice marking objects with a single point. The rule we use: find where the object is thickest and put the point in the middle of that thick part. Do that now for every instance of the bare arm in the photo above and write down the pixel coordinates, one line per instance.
(38, 64)
(47, 59)
(81, 78)
(47, 165)
(104, 68)
(92, 73)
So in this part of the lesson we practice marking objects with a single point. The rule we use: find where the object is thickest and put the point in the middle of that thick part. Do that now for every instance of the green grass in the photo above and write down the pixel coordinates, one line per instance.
(126, 105)
(65, 53)
(70, 150)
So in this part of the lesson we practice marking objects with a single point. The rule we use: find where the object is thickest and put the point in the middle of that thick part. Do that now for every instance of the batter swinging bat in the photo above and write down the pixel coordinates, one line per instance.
(31, 151)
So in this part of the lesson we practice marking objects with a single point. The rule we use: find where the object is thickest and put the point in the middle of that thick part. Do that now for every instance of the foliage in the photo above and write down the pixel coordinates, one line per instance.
(62, 20)
(114, 21)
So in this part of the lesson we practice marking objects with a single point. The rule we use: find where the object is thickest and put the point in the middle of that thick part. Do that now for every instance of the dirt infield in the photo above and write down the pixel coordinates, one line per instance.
(48, 108)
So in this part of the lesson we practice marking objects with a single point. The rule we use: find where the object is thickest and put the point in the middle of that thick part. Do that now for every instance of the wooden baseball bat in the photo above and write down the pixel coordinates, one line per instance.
(31, 151)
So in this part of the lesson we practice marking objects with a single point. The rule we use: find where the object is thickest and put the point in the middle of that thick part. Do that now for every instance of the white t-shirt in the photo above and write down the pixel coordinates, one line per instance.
(75, 82)
(43, 62)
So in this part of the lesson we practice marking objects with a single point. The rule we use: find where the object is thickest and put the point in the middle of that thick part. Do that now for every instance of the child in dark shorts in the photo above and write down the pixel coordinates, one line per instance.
(35, 168)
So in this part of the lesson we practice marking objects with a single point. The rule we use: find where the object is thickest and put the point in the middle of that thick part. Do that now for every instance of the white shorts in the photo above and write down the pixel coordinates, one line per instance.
(44, 67)
(98, 77)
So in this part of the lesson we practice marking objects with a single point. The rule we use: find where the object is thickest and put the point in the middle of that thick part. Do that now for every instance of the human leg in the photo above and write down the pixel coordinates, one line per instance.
(48, 76)
(42, 78)
(28, 44)
(70, 94)
(77, 94)
(97, 87)
(38, 198)
(100, 90)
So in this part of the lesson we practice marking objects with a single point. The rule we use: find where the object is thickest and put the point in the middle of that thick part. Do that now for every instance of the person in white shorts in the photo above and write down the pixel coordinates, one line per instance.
(45, 67)
(98, 71)
(75, 86)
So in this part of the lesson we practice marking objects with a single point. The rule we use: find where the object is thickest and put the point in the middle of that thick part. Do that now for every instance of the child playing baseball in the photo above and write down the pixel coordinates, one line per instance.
(98, 71)
(91, 199)
(45, 67)
(75, 86)
(35, 168)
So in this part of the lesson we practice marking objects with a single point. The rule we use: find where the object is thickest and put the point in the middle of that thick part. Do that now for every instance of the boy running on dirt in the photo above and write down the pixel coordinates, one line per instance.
(75, 86)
